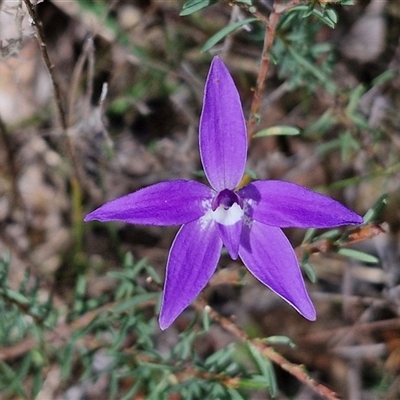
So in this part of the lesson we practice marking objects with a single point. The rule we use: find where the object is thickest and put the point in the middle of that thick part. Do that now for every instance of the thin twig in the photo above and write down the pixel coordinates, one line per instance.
(297, 371)
(355, 330)
(85, 56)
(76, 180)
(270, 30)
(50, 67)
(229, 39)
(271, 23)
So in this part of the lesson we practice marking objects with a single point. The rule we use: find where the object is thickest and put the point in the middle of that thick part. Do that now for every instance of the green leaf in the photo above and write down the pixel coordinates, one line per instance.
(354, 99)
(247, 2)
(256, 382)
(309, 235)
(313, 69)
(323, 124)
(265, 367)
(376, 210)
(206, 320)
(348, 144)
(219, 358)
(234, 394)
(278, 130)
(192, 6)
(279, 339)
(224, 32)
(310, 272)
(15, 296)
(331, 14)
(358, 255)
(134, 301)
(385, 77)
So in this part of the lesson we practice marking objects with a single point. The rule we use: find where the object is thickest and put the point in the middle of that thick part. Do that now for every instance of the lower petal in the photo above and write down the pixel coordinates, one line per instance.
(192, 260)
(230, 235)
(269, 256)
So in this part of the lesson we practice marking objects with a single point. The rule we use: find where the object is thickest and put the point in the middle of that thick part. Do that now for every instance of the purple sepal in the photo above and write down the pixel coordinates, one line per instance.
(192, 260)
(284, 204)
(223, 137)
(166, 203)
(269, 256)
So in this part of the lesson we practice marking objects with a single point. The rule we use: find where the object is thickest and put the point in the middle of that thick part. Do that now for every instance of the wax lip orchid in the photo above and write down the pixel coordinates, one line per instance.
(246, 221)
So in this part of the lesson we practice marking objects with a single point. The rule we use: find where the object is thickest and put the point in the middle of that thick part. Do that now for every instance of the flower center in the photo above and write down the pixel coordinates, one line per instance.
(227, 207)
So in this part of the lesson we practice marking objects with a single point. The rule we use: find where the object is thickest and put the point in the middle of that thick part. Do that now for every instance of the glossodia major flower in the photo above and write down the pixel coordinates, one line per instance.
(247, 221)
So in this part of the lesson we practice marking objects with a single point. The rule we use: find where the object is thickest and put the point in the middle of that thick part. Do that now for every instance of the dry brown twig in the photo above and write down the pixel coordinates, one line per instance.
(271, 23)
(77, 180)
(267, 351)
(49, 65)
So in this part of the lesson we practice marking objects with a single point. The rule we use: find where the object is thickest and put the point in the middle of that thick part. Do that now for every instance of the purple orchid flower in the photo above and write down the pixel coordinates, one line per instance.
(247, 221)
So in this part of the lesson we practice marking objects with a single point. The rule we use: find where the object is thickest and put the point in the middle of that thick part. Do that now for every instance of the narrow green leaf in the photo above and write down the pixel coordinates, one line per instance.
(308, 66)
(331, 234)
(234, 394)
(323, 124)
(247, 2)
(385, 77)
(358, 255)
(134, 301)
(348, 144)
(279, 339)
(15, 296)
(309, 235)
(192, 6)
(224, 32)
(354, 99)
(273, 386)
(375, 211)
(265, 367)
(256, 382)
(128, 260)
(310, 272)
(278, 130)
(332, 15)
(206, 320)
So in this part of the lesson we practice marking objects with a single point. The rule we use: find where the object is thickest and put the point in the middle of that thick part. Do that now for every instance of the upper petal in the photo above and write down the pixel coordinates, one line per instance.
(223, 138)
(269, 256)
(192, 260)
(166, 203)
(286, 204)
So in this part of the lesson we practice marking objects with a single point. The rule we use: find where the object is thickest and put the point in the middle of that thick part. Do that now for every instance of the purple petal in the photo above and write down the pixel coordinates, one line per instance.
(192, 261)
(269, 256)
(165, 203)
(285, 204)
(230, 235)
(223, 138)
